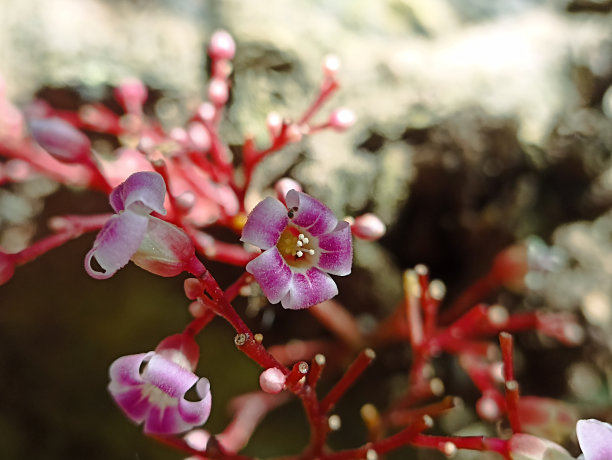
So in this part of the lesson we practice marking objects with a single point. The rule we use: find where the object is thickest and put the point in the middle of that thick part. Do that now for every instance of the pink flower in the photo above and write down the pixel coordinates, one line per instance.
(302, 243)
(156, 395)
(151, 243)
(595, 439)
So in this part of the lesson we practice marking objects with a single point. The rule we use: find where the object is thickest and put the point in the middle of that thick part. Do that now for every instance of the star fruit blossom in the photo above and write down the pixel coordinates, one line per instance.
(151, 243)
(595, 439)
(303, 243)
(156, 395)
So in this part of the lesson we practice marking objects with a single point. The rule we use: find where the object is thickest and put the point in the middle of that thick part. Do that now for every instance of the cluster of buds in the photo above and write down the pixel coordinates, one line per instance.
(166, 188)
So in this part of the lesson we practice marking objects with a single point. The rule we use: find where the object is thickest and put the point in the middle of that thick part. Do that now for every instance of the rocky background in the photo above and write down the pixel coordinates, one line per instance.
(480, 123)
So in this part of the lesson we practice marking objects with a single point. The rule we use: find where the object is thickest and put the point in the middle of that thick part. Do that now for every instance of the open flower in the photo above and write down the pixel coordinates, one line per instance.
(302, 243)
(595, 439)
(156, 395)
(153, 244)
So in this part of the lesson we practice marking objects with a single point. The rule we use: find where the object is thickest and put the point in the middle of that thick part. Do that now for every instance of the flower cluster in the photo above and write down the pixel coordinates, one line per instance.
(166, 191)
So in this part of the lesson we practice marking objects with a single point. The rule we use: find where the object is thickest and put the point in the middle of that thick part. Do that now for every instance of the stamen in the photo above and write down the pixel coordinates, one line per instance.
(299, 254)
(300, 243)
(305, 240)
(301, 236)
(311, 252)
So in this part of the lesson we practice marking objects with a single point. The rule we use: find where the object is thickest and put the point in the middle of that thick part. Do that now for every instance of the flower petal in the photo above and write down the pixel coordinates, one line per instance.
(309, 288)
(595, 439)
(197, 412)
(142, 189)
(265, 224)
(336, 250)
(131, 401)
(310, 214)
(272, 273)
(165, 420)
(172, 379)
(118, 240)
(126, 370)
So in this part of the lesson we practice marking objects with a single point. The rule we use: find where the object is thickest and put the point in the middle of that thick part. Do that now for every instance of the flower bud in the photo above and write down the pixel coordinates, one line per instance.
(283, 186)
(222, 45)
(342, 119)
(166, 250)
(272, 380)
(368, 227)
(131, 94)
(526, 447)
(61, 140)
(218, 92)
(199, 136)
(331, 65)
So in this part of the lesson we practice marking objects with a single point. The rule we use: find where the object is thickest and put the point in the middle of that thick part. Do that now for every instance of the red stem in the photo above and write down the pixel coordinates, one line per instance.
(356, 368)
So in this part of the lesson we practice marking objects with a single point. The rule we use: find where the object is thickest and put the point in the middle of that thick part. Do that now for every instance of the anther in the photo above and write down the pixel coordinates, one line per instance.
(311, 252)
(305, 240)
(299, 254)
(300, 243)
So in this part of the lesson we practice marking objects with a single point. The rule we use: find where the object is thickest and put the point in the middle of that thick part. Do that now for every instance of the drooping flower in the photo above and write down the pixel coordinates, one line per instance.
(595, 439)
(303, 243)
(151, 243)
(156, 395)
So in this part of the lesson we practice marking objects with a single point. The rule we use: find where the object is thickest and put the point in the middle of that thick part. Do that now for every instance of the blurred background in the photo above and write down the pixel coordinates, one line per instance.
(479, 123)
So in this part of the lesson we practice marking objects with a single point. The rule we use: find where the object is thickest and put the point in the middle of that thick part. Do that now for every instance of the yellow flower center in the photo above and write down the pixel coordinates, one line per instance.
(297, 247)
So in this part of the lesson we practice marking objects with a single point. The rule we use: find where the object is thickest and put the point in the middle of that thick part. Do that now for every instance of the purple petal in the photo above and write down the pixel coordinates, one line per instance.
(118, 240)
(595, 439)
(272, 273)
(126, 370)
(142, 189)
(131, 401)
(172, 379)
(197, 412)
(336, 249)
(265, 224)
(310, 214)
(165, 420)
(308, 289)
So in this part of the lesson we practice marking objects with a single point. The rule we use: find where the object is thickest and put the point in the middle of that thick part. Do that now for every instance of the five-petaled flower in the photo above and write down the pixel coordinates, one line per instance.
(595, 439)
(151, 243)
(302, 243)
(156, 395)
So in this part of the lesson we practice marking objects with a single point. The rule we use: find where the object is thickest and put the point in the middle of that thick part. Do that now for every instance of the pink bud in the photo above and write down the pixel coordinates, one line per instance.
(206, 111)
(199, 136)
(294, 133)
(222, 45)
(283, 186)
(179, 135)
(275, 124)
(272, 380)
(487, 408)
(61, 140)
(197, 439)
(526, 447)
(193, 288)
(218, 91)
(131, 94)
(331, 66)
(166, 250)
(342, 119)
(368, 227)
